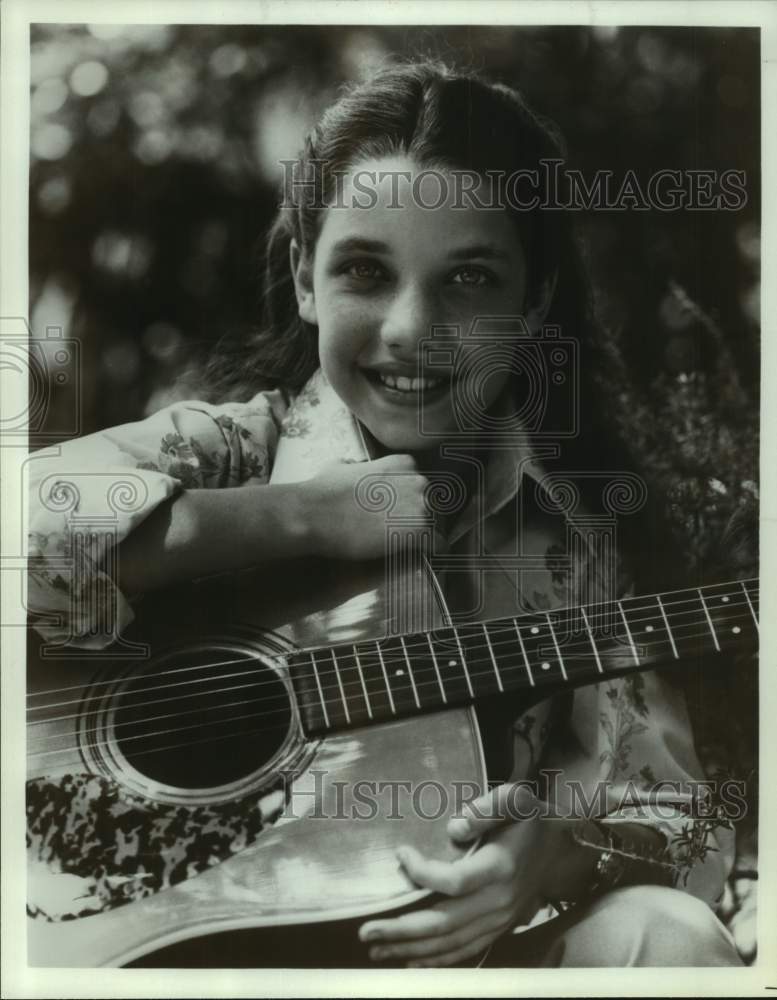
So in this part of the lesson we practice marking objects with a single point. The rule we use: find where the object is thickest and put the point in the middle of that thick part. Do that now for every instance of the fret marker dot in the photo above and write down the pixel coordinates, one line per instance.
(545, 665)
(725, 600)
(648, 628)
(399, 673)
(451, 663)
(736, 630)
(534, 630)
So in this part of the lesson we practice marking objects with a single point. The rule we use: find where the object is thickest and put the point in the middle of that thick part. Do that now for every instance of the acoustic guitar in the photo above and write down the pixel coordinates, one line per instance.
(251, 755)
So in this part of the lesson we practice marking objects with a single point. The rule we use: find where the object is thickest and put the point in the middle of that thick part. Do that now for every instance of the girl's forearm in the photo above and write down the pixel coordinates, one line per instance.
(200, 532)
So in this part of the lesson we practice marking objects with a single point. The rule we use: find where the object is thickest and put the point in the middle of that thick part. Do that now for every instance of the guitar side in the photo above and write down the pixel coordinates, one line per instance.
(285, 844)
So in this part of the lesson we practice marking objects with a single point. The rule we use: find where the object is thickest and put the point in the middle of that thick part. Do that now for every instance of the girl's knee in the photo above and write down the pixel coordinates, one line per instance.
(649, 926)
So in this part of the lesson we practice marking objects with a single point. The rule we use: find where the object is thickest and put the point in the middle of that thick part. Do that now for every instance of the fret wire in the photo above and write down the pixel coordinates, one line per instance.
(523, 650)
(493, 658)
(749, 604)
(591, 637)
(320, 691)
(385, 677)
(514, 621)
(486, 659)
(502, 622)
(668, 629)
(555, 643)
(342, 693)
(410, 671)
(361, 678)
(489, 671)
(628, 633)
(709, 620)
(496, 644)
(463, 663)
(437, 668)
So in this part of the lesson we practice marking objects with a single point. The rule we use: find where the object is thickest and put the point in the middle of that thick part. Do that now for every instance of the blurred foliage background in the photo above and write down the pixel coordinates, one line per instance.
(154, 170)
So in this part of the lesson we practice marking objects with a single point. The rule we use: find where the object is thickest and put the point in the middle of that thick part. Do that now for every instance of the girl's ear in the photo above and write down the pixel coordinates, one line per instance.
(302, 273)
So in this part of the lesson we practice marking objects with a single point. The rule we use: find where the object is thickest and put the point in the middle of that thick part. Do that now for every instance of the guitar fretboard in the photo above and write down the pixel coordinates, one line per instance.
(343, 686)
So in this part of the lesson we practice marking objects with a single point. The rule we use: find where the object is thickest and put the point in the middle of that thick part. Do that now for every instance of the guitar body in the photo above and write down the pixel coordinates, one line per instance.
(206, 778)
(175, 795)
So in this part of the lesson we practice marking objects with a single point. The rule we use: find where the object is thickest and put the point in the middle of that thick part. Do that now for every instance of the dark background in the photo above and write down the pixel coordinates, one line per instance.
(153, 173)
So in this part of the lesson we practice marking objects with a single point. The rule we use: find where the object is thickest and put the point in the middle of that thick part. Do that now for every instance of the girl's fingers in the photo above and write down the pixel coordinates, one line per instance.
(457, 878)
(492, 923)
(438, 920)
(511, 802)
(470, 950)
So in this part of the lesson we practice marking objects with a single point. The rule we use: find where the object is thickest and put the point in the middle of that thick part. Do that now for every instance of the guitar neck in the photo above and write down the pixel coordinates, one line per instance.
(341, 686)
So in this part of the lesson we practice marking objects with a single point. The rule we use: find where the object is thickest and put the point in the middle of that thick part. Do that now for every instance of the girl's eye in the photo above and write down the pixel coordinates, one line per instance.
(472, 276)
(363, 270)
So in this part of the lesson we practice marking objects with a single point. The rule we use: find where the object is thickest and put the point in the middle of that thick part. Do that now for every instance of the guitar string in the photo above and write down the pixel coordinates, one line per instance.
(409, 644)
(474, 661)
(419, 684)
(75, 749)
(572, 614)
(495, 644)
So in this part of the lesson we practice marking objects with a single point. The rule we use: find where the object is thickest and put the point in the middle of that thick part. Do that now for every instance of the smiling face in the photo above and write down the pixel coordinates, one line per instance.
(382, 277)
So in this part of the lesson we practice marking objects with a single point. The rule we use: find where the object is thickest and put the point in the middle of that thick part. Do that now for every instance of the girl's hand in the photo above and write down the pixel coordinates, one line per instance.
(524, 863)
(342, 527)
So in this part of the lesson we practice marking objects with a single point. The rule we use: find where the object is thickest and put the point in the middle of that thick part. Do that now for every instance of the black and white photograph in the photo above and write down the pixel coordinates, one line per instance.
(382, 488)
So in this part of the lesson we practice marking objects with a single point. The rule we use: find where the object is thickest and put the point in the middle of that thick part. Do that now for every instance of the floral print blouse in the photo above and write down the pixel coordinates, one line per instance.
(624, 734)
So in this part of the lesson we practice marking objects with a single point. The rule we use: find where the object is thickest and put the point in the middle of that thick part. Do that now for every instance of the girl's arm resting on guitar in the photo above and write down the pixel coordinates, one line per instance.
(210, 531)
(87, 495)
(179, 495)
(200, 532)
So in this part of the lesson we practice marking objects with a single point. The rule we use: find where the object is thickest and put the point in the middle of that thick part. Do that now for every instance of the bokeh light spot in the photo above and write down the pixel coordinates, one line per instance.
(154, 146)
(122, 254)
(54, 195)
(748, 237)
(88, 78)
(227, 60)
(49, 96)
(147, 109)
(51, 142)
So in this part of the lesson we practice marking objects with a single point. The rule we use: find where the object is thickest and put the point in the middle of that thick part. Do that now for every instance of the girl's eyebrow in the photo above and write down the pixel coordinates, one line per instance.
(358, 243)
(485, 250)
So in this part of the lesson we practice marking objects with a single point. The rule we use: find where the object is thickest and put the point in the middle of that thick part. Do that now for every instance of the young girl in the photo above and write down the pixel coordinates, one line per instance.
(375, 250)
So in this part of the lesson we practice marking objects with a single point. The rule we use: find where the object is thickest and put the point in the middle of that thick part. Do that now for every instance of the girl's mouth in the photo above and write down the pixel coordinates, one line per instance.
(404, 384)
(407, 388)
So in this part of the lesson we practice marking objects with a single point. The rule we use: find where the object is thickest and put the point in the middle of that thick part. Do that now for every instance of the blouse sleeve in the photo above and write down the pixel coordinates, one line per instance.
(88, 494)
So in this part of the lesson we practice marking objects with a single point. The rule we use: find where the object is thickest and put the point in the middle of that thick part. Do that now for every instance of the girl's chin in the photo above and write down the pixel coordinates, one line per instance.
(406, 422)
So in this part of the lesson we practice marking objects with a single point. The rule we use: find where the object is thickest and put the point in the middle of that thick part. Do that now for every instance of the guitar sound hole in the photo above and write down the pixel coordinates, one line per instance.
(202, 719)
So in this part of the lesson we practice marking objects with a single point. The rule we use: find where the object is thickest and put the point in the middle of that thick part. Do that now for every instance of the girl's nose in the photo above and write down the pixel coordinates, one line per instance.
(408, 320)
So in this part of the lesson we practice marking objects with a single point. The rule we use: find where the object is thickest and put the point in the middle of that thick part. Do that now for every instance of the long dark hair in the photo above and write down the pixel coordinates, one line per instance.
(438, 117)
(444, 118)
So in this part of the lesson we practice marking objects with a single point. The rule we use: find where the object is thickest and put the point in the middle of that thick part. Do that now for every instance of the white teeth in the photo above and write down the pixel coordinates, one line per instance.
(405, 384)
